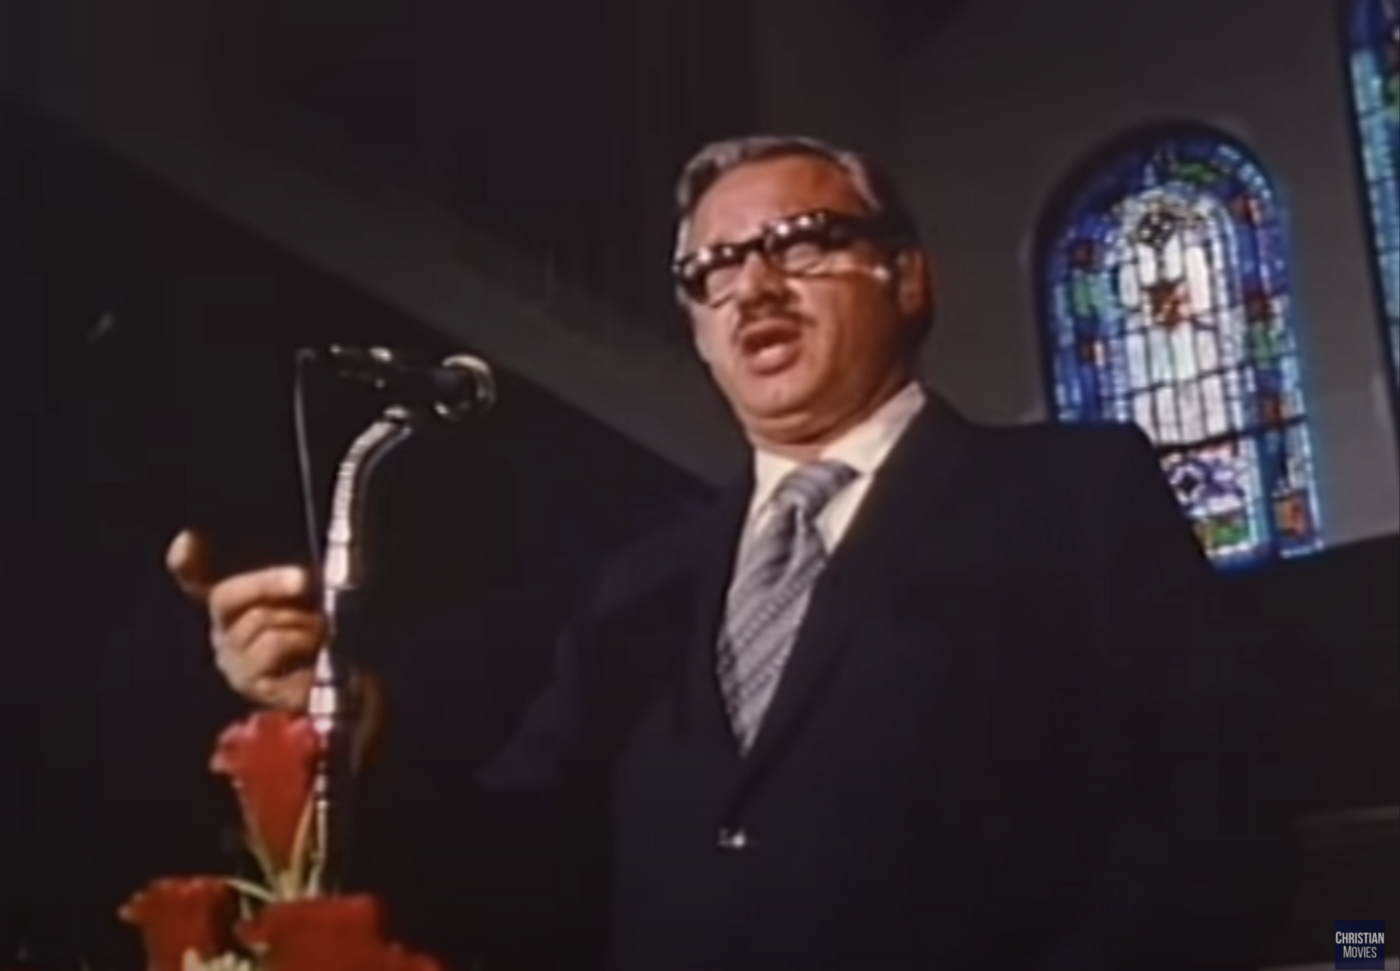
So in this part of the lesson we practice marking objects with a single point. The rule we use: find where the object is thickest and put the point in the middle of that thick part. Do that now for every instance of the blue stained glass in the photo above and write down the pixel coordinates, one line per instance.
(1167, 296)
(1374, 43)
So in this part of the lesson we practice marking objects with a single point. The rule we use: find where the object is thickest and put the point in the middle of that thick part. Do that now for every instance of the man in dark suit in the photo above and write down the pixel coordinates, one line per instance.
(915, 693)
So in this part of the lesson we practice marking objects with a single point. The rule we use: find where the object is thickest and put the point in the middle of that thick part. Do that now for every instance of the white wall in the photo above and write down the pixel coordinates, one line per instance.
(995, 109)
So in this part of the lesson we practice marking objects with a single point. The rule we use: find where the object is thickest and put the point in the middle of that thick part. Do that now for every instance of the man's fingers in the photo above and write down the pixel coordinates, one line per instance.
(287, 623)
(187, 559)
(290, 692)
(229, 600)
(264, 635)
(273, 655)
(280, 651)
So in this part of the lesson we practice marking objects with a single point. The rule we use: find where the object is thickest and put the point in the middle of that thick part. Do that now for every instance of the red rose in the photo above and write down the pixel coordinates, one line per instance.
(271, 758)
(328, 934)
(179, 915)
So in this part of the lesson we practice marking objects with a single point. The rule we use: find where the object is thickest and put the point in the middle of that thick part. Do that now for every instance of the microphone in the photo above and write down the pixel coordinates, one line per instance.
(455, 387)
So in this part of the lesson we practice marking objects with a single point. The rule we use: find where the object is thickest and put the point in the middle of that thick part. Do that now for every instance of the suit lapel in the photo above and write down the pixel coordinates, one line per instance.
(909, 495)
(716, 539)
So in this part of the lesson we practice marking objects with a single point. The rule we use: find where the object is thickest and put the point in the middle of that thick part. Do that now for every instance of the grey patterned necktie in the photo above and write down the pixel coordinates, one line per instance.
(773, 579)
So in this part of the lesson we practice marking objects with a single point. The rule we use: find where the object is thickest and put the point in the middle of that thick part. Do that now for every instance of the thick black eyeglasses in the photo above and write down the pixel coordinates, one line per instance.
(793, 245)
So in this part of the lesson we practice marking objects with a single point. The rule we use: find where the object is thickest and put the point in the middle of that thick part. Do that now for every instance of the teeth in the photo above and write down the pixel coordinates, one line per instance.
(758, 345)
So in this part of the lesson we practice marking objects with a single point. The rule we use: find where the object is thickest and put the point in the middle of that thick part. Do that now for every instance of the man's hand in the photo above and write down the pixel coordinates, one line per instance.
(263, 627)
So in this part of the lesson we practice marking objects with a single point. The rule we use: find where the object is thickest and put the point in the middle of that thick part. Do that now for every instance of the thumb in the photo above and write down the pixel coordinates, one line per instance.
(187, 559)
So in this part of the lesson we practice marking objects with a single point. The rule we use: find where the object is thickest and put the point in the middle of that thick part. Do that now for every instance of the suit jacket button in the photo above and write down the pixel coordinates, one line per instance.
(734, 840)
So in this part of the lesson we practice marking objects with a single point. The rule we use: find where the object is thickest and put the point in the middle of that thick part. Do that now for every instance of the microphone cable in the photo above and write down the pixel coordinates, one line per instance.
(310, 514)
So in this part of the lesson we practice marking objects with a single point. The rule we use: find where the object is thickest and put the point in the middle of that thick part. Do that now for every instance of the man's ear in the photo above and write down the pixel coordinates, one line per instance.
(912, 282)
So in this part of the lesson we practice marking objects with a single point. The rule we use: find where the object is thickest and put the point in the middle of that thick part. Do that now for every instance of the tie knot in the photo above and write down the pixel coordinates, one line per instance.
(810, 487)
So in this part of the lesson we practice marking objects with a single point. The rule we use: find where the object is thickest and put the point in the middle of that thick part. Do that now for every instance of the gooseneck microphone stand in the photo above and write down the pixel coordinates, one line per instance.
(460, 385)
(331, 706)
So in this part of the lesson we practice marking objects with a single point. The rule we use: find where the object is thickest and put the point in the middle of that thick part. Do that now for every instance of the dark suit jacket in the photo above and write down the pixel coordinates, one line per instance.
(1006, 737)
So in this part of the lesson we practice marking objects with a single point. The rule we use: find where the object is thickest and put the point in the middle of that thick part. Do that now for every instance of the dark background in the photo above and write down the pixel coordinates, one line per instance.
(181, 415)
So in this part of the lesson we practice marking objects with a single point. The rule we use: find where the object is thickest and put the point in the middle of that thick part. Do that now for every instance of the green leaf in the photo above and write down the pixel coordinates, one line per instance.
(264, 862)
(245, 907)
(250, 889)
(313, 883)
(305, 852)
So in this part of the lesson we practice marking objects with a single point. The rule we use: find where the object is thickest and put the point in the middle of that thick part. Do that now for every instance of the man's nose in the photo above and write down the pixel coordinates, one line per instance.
(758, 279)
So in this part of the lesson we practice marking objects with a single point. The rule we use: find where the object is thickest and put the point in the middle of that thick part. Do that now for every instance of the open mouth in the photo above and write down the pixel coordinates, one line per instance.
(770, 347)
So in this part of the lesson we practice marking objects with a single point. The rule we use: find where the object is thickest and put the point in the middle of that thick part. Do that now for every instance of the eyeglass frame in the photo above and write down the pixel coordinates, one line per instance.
(825, 226)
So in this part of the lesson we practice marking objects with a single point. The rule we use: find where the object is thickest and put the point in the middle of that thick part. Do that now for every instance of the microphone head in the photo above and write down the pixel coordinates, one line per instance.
(477, 387)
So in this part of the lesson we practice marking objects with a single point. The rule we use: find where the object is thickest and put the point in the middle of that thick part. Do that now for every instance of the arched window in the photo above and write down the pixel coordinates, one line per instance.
(1165, 297)
(1374, 41)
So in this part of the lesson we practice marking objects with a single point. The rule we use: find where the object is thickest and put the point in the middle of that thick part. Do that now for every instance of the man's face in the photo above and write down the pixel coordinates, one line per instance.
(804, 336)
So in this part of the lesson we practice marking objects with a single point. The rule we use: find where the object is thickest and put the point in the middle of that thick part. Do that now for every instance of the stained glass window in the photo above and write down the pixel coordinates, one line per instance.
(1375, 84)
(1166, 295)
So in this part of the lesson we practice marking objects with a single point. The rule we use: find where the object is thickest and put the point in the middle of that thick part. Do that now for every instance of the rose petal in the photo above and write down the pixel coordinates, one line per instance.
(271, 759)
(178, 915)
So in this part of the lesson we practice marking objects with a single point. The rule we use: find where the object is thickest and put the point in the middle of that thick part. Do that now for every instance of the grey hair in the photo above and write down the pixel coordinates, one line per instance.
(871, 181)
(714, 160)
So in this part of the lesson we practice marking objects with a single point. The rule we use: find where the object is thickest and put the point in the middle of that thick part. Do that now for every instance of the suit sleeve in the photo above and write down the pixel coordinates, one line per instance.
(535, 760)
(1194, 872)
(469, 790)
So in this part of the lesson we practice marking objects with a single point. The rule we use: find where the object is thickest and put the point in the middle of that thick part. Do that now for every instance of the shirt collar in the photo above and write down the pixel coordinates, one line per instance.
(864, 447)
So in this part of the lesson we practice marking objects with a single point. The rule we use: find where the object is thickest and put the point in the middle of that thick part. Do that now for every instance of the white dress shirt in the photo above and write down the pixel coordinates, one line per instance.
(864, 448)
